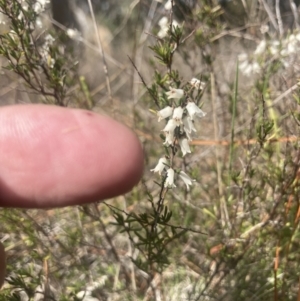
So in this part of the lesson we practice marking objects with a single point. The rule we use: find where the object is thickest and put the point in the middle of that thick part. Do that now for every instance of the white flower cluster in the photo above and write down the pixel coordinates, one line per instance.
(287, 49)
(164, 23)
(178, 129)
(247, 66)
(38, 7)
(49, 40)
(283, 49)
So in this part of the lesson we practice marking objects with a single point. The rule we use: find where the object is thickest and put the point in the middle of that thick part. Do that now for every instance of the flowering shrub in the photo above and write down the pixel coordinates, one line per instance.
(178, 130)
(216, 216)
(269, 52)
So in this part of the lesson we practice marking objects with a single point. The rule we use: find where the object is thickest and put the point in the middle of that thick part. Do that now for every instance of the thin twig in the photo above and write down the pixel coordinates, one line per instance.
(243, 142)
(279, 19)
(86, 43)
(112, 207)
(140, 47)
(270, 14)
(245, 7)
(130, 251)
(223, 207)
(143, 81)
(237, 32)
(233, 115)
(105, 68)
(295, 13)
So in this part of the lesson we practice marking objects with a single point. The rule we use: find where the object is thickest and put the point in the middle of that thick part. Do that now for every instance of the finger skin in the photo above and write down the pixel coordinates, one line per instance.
(52, 156)
(2, 264)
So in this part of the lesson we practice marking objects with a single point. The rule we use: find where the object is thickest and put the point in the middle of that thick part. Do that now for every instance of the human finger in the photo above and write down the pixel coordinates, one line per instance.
(52, 156)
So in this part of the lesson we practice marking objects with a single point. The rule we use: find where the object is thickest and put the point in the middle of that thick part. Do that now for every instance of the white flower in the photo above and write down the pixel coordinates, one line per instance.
(169, 138)
(168, 5)
(188, 126)
(170, 126)
(50, 62)
(45, 51)
(21, 15)
(175, 23)
(243, 66)
(249, 69)
(49, 39)
(255, 67)
(39, 23)
(184, 145)
(177, 115)
(175, 93)
(274, 48)
(186, 179)
(163, 22)
(196, 83)
(39, 6)
(193, 110)
(164, 26)
(289, 45)
(164, 113)
(170, 178)
(246, 66)
(163, 32)
(24, 7)
(161, 165)
(261, 47)
(73, 34)
(169, 131)
(264, 29)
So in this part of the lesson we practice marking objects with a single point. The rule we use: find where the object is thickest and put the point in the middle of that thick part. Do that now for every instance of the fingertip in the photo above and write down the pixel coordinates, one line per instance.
(130, 166)
(52, 157)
